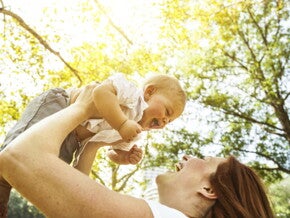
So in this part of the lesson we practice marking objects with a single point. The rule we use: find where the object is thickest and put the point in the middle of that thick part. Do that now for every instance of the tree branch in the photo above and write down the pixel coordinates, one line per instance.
(250, 119)
(98, 177)
(280, 167)
(102, 9)
(126, 178)
(258, 27)
(40, 39)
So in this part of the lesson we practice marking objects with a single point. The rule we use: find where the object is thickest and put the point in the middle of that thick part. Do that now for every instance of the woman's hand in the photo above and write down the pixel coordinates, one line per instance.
(85, 100)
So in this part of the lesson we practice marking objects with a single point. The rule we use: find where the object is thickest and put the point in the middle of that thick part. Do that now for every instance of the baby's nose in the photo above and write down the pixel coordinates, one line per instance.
(165, 120)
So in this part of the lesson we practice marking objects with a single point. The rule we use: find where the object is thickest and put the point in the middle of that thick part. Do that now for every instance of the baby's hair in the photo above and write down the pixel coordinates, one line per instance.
(169, 86)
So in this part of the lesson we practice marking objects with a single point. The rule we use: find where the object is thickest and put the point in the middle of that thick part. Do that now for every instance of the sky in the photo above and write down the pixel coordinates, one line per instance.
(130, 15)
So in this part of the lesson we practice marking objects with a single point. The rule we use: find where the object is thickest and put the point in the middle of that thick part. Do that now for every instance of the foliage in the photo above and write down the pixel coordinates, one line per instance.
(19, 207)
(280, 193)
(231, 56)
(237, 65)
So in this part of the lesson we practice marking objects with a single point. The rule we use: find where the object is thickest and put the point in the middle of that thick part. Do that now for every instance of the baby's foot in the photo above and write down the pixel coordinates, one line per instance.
(133, 156)
(118, 156)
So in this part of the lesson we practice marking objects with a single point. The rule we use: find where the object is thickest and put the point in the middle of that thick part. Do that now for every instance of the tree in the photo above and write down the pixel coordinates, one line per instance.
(280, 193)
(19, 207)
(234, 56)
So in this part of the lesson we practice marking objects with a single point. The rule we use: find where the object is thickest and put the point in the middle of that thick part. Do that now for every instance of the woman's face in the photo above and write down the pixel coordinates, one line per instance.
(192, 175)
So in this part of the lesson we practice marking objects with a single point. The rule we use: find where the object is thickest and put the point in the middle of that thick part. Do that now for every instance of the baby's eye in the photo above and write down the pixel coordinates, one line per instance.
(169, 112)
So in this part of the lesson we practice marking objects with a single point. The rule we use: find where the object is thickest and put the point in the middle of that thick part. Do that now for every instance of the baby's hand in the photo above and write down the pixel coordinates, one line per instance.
(129, 130)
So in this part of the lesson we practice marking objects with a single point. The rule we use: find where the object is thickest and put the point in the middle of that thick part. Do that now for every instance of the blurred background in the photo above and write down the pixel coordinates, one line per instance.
(232, 58)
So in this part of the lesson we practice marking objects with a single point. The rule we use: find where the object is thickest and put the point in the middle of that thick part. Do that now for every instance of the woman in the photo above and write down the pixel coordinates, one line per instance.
(211, 187)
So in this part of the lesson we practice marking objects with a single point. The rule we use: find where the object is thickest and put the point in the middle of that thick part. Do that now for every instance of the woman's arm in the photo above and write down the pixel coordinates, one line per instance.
(31, 165)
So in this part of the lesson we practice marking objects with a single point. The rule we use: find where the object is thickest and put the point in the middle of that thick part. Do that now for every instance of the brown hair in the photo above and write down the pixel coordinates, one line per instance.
(169, 86)
(240, 192)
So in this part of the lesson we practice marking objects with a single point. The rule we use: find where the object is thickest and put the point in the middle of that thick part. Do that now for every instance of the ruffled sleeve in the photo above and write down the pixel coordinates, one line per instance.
(127, 92)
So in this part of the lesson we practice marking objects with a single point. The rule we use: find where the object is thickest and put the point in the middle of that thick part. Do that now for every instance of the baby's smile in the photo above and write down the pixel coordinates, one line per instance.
(154, 123)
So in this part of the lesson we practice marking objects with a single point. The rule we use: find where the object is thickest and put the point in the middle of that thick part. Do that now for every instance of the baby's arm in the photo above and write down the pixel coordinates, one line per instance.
(107, 104)
(133, 156)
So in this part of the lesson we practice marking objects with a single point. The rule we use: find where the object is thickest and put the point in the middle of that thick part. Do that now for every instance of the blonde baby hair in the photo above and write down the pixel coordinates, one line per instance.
(169, 86)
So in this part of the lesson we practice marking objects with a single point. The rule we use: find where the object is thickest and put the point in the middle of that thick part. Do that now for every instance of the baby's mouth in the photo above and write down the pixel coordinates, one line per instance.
(154, 123)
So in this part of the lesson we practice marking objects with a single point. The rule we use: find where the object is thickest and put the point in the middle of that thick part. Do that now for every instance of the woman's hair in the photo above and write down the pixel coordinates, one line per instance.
(240, 192)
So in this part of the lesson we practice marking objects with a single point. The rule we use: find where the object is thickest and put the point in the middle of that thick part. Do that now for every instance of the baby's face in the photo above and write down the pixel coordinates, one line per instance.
(161, 111)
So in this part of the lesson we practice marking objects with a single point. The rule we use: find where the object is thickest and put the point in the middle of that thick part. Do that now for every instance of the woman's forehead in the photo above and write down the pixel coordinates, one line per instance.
(217, 160)
(209, 163)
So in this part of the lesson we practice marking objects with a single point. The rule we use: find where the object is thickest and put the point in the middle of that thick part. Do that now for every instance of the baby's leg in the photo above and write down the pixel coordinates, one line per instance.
(86, 159)
(133, 156)
(5, 189)
(40, 107)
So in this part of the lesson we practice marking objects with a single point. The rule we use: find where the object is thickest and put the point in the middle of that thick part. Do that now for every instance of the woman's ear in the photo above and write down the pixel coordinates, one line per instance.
(208, 192)
(149, 91)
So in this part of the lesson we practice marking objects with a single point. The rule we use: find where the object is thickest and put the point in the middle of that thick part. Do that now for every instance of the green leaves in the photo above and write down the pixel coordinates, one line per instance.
(232, 58)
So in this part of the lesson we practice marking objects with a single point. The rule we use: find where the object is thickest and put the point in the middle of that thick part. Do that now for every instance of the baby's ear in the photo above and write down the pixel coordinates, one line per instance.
(208, 192)
(149, 91)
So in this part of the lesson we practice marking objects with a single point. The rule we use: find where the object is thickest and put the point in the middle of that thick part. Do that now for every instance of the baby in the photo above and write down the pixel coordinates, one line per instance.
(124, 110)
